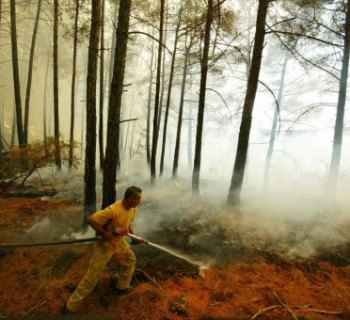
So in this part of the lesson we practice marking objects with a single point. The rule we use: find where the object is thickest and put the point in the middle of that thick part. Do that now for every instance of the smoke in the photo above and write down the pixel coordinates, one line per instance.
(293, 225)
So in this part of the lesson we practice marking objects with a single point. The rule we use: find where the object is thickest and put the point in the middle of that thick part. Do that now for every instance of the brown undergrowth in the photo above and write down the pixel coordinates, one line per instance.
(36, 282)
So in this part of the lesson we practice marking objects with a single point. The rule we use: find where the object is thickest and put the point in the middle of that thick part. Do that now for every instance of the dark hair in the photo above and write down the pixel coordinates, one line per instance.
(132, 192)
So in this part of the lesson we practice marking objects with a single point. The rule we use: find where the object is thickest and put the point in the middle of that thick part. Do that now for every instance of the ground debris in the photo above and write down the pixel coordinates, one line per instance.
(179, 306)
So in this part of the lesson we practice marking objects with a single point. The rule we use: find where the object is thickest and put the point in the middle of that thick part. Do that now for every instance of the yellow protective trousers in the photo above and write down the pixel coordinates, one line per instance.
(102, 254)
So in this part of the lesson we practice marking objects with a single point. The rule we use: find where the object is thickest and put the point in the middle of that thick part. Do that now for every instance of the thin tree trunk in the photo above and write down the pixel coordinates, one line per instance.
(189, 139)
(132, 140)
(15, 69)
(243, 139)
(1, 141)
(45, 105)
(91, 81)
(30, 73)
(72, 93)
(163, 72)
(274, 126)
(100, 133)
(339, 122)
(115, 99)
(201, 104)
(171, 77)
(156, 103)
(55, 90)
(111, 60)
(148, 129)
(13, 130)
(179, 121)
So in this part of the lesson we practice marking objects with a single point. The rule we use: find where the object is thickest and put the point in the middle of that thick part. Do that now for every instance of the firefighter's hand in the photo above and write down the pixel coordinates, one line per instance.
(123, 232)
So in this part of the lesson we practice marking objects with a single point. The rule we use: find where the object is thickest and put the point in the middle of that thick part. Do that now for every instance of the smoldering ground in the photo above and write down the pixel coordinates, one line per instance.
(294, 226)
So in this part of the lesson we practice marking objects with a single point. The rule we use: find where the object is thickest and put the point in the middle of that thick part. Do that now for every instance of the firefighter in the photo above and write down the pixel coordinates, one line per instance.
(112, 224)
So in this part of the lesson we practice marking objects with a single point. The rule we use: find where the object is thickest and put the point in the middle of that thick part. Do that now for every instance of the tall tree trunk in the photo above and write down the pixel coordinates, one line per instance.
(72, 93)
(13, 129)
(201, 104)
(55, 90)
(179, 121)
(156, 102)
(339, 122)
(15, 69)
(111, 60)
(115, 99)
(170, 85)
(163, 70)
(189, 139)
(100, 132)
(30, 73)
(91, 81)
(274, 126)
(148, 128)
(45, 106)
(243, 139)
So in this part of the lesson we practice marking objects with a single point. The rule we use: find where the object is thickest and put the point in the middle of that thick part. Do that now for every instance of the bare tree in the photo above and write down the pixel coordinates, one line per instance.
(15, 70)
(201, 104)
(55, 89)
(339, 123)
(115, 99)
(72, 93)
(243, 139)
(149, 101)
(156, 102)
(90, 151)
(100, 132)
(30, 73)
(170, 84)
(182, 99)
(274, 125)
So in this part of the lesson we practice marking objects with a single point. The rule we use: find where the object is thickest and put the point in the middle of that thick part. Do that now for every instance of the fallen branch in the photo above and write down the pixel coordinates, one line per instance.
(286, 307)
(151, 279)
(324, 311)
(29, 314)
(260, 312)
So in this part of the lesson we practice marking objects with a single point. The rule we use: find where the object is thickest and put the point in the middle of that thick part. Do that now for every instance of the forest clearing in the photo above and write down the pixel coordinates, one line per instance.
(174, 159)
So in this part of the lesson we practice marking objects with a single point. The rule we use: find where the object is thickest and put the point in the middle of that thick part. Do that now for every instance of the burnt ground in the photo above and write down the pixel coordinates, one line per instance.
(251, 275)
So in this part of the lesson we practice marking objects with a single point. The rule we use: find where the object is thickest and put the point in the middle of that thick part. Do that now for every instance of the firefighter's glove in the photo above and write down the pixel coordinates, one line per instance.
(123, 232)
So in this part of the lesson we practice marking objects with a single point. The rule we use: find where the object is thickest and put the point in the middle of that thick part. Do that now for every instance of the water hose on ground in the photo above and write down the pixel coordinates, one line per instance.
(131, 236)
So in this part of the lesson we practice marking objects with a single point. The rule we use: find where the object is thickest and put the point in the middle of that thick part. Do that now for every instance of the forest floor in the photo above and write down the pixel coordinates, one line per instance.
(36, 282)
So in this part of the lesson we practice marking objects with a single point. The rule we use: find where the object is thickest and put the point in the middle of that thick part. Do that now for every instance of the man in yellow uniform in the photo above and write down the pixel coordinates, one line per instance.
(112, 223)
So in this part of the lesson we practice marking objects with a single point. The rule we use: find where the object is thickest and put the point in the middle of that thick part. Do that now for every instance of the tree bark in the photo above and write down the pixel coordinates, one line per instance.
(55, 90)
(15, 70)
(163, 71)
(189, 139)
(243, 139)
(30, 73)
(179, 121)
(201, 104)
(170, 84)
(274, 126)
(148, 128)
(339, 122)
(45, 106)
(101, 126)
(72, 93)
(156, 102)
(13, 129)
(91, 81)
(114, 107)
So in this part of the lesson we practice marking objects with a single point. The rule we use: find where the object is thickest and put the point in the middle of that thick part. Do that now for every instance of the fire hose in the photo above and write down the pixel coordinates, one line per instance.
(131, 236)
